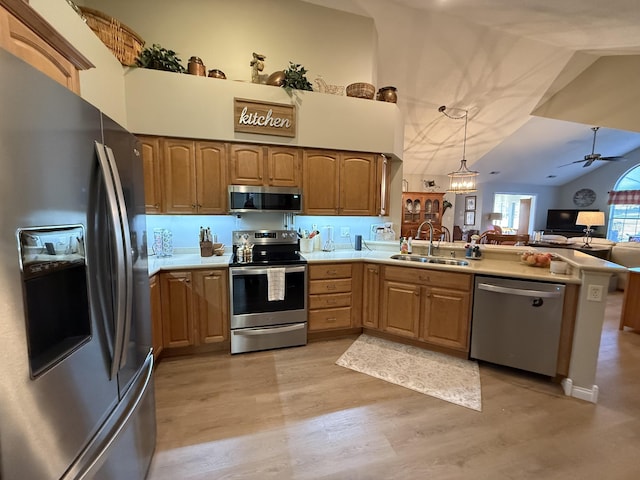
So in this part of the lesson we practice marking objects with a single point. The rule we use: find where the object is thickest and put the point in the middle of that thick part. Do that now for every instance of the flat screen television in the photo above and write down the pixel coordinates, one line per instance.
(564, 220)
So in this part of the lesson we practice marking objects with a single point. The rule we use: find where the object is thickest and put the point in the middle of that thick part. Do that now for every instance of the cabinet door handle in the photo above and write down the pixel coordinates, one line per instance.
(331, 287)
(332, 272)
(424, 279)
(331, 302)
(331, 320)
(193, 205)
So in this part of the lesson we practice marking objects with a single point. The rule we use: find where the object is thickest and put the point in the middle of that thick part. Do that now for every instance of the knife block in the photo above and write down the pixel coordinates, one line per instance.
(206, 249)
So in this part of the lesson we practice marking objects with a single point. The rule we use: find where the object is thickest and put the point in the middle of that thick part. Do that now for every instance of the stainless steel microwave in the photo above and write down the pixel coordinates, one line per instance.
(247, 198)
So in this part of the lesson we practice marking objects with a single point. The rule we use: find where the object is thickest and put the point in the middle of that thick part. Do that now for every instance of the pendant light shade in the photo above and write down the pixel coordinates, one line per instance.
(462, 180)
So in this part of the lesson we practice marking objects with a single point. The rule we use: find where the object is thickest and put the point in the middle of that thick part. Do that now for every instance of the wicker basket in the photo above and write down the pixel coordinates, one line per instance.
(125, 44)
(361, 90)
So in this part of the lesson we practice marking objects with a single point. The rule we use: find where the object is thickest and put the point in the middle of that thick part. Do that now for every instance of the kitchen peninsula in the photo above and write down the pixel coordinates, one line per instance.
(581, 335)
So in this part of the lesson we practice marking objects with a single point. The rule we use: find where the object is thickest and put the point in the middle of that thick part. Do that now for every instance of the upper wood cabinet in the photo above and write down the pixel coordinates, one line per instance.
(284, 166)
(30, 37)
(194, 177)
(211, 177)
(358, 184)
(264, 166)
(151, 153)
(321, 191)
(338, 183)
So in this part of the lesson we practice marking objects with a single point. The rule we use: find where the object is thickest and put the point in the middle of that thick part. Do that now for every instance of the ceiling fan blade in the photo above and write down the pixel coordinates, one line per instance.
(588, 162)
(571, 163)
(612, 159)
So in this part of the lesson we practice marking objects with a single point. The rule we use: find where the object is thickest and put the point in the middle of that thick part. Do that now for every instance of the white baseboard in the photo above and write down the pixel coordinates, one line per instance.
(587, 394)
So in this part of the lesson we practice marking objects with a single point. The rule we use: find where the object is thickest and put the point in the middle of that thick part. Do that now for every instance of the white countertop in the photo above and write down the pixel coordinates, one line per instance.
(496, 260)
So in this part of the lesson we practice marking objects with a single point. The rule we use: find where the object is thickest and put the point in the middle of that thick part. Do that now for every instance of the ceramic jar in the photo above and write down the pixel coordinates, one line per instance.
(388, 94)
(196, 67)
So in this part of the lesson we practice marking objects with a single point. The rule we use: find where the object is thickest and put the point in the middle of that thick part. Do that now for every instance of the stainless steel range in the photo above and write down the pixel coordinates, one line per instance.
(268, 286)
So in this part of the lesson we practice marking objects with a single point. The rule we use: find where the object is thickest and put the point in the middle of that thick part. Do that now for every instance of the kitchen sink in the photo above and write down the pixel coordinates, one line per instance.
(428, 259)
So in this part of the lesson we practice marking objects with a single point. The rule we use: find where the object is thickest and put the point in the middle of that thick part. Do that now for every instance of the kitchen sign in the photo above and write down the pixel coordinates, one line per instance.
(263, 117)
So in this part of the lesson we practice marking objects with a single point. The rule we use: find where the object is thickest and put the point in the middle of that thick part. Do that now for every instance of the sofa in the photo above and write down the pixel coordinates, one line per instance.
(626, 254)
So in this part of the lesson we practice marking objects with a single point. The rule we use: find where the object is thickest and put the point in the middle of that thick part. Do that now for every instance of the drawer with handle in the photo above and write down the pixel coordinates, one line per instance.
(330, 318)
(334, 270)
(329, 301)
(329, 286)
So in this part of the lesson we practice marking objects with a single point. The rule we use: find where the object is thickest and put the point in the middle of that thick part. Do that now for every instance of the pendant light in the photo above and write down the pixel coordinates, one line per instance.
(462, 180)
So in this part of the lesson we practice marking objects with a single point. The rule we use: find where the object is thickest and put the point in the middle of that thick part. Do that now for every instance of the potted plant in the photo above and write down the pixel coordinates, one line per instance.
(294, 77)
(159, 58)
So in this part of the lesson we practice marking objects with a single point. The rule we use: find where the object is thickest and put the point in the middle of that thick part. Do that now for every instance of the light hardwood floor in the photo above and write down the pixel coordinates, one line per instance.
(294, 414)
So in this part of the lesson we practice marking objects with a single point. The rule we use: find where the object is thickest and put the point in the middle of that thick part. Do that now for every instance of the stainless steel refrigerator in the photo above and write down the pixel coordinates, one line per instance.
(76, 385)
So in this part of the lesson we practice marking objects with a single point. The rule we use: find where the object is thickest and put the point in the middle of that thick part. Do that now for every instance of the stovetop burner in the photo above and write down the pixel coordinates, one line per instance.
(270, 247)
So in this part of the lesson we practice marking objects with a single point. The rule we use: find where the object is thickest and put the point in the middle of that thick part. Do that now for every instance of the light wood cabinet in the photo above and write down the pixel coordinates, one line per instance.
(194, 177)
(334, 296)
(340, 183)
(212, 305)
(156, 316)
(177, 309)
(321, 189)
(151, 153)
(370, 295)
(258, 165)
(418, 207)
(630, 315)
(427, 305)
(27, 35)
(195, 307)
(358, 187)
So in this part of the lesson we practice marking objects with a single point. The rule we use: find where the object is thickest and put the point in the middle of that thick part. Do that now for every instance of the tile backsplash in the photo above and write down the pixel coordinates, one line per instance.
(186, 228)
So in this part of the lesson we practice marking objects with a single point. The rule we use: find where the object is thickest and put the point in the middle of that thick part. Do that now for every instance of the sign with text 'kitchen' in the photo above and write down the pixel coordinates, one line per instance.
(265, 118)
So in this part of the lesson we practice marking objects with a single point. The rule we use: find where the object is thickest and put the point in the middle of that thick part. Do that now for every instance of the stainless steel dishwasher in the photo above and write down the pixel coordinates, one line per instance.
(517, 323)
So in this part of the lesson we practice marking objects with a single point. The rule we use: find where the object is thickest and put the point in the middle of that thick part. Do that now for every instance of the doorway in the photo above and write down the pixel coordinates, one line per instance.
(516, 211)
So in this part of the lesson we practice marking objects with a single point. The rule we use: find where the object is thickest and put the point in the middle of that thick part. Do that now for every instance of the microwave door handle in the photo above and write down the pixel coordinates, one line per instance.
(128, 260)
(114, 214)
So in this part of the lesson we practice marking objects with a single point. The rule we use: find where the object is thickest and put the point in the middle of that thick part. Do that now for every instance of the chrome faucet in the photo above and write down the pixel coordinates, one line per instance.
(428, 222)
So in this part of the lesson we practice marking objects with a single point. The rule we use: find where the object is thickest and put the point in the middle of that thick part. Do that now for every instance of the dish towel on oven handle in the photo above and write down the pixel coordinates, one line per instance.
(275, 283)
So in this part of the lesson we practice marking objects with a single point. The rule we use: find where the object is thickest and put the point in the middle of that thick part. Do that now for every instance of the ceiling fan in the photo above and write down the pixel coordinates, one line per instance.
(592, 157)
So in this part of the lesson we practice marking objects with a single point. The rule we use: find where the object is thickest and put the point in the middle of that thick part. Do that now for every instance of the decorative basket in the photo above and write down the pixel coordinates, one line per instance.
(361, 90)
(123, 42)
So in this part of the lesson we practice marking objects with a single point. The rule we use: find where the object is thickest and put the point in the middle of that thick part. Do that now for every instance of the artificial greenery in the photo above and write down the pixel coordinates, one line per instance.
(159, 58)
(294, 77)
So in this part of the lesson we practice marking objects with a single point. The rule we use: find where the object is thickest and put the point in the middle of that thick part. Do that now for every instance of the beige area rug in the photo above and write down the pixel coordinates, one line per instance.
(442, 376)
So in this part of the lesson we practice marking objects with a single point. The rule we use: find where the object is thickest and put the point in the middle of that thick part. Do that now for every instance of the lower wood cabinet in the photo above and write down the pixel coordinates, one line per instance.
(371, 295)
(427, 305)
(156, 316)
(334, 296)
(195, 307)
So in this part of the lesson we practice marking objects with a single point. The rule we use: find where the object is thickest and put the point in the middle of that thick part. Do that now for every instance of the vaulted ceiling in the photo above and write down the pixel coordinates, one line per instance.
(534, 76)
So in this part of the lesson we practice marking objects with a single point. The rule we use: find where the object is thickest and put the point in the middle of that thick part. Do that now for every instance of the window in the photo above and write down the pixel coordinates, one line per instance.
(624, 220)
(516, 211)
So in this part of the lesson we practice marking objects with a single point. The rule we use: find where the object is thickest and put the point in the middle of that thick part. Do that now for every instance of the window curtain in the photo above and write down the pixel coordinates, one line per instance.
(625, 197)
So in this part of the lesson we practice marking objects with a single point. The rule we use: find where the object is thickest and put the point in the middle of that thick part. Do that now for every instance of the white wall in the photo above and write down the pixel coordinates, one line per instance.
(224, 34)
(102, 86)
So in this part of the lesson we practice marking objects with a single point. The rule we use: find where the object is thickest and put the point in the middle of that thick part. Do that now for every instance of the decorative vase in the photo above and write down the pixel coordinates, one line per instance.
(196, 67)
(388, 94)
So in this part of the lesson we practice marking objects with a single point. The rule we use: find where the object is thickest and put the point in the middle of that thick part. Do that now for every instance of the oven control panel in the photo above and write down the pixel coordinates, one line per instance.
(264, 237)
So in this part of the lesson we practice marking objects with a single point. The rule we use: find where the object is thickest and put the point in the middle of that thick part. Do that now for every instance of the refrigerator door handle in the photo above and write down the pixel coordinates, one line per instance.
(126, 234)
(94, 455)
(121, 285)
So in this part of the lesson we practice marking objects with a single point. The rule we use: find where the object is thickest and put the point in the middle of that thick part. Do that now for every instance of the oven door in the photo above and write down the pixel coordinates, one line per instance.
(250, 304)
